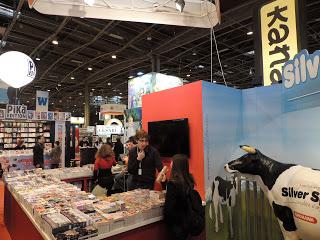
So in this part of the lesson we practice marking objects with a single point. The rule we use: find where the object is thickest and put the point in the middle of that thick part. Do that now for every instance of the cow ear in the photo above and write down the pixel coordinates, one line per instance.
(248, 149)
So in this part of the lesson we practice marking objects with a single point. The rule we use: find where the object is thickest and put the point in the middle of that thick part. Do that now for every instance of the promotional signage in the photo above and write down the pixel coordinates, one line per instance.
(149, 83)
(16, 112)
(280, 38)
(103, 130)
(301, 81)
(113, 109)
(77, 120)
(17, 69)
(60, 135)
(42, 101)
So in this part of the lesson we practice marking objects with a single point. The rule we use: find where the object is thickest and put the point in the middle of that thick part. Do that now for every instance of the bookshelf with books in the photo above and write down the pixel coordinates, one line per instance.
(11, 131)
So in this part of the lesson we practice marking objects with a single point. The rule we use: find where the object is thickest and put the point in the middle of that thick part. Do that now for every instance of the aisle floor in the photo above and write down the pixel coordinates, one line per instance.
(4, 235)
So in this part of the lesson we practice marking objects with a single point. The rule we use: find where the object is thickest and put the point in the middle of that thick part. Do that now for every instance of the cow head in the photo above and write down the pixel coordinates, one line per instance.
(247, 164)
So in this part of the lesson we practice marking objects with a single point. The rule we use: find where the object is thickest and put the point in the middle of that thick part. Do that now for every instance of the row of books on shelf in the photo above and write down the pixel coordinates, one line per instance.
(23, 135)
(11, 146)
(21, 124)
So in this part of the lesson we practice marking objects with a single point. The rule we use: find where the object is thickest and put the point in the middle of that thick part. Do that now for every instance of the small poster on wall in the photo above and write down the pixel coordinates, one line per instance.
(61, 116)
(38, 116)
(50, 116)
(67, 116)
(31, 114)
(44, 115)
(2, 113)
(56, 116)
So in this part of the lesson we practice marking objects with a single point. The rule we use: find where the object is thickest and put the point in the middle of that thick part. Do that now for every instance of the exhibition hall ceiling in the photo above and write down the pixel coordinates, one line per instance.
(106, 53)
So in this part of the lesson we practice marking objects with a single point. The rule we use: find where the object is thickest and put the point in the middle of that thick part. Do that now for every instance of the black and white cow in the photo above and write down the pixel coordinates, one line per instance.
(223, 192)
(293, 192)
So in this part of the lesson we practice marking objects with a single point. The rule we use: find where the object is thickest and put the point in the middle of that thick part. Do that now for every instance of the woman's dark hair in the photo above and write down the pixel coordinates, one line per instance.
(180, 174)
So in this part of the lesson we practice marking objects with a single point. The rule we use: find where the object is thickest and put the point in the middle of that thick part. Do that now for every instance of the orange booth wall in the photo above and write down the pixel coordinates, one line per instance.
(176, 103)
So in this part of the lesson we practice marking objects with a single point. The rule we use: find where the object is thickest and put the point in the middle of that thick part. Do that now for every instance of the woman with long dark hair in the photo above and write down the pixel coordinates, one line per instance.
(102, 170)
(176, 208)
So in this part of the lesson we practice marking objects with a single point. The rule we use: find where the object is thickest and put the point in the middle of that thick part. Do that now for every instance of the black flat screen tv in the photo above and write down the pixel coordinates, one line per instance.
(170, 137)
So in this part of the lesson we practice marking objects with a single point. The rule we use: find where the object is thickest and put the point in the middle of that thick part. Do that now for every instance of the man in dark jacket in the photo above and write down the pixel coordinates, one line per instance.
(55, 155)
(118, 149)
(38, 152)
(143, 162)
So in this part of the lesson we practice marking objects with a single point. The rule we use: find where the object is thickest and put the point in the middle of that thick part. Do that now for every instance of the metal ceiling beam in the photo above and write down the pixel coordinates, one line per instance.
(107, 54)
(51, 37)
(8, 30)
(107, 27)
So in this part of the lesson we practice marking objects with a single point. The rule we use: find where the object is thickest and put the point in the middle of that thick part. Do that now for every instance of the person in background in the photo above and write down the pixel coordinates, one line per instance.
(102, 170)
(143, 162)
(180, 184)
(20, 145)
(84, 142)
(118, 149)
(109, 142)
(119, 179)
(38, 152)
(55, 155)
(98, 143)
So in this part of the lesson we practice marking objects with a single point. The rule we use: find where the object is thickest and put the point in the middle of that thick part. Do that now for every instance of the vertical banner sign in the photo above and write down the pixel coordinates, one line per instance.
(42, 101)
(279, 37)
(60, 135)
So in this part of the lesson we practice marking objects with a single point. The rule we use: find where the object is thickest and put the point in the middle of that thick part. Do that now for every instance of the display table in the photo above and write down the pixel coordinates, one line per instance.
(41, 206)
(20, 224)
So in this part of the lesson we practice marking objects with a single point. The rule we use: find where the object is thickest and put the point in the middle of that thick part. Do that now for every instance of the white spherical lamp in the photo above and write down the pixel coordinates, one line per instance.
(16, 69)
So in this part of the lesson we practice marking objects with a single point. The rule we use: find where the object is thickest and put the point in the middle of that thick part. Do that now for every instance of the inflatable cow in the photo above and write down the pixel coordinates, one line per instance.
(223, 192)
(293, 192)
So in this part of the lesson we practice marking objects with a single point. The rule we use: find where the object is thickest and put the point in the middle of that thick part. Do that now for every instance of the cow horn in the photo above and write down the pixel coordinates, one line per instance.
(248, 149)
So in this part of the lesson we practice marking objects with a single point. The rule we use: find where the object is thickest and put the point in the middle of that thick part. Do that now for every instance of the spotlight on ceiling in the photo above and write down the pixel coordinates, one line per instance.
(249, 33)
(38, 59)
(55, 42)
(72, 78)
(114, 56)
(90, 68)
(89, 2)
(180, 5)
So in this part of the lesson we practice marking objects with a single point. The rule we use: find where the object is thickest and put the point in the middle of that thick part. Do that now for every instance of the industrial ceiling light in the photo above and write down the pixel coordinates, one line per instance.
(109, 84)
(90, 68)
(249, 33)
(114, 56)
(55, 42)
(180, 5)
(59, 85)
(72, 78)
(38, 59)
(89, 2)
